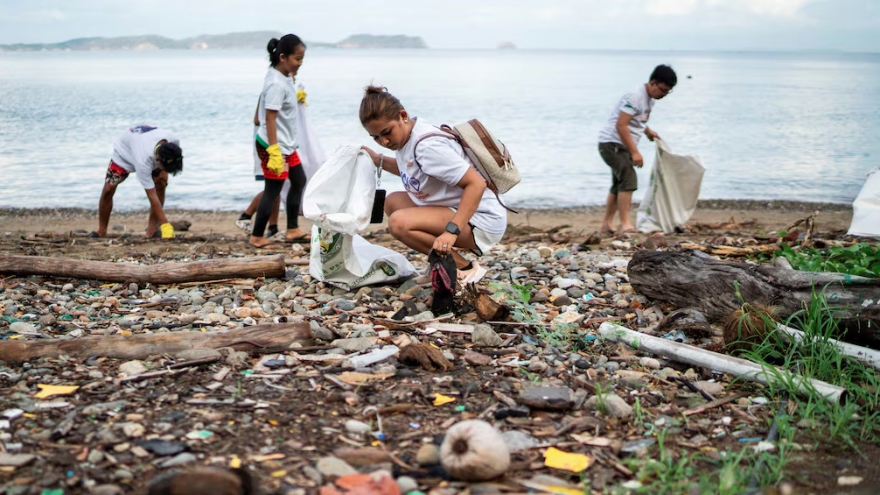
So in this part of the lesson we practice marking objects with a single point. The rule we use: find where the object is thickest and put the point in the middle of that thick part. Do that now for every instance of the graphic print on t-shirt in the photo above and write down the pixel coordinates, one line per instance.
(141, 129)
(413, 186)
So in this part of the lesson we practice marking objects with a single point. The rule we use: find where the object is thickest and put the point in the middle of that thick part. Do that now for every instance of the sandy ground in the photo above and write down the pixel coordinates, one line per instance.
(769, 215)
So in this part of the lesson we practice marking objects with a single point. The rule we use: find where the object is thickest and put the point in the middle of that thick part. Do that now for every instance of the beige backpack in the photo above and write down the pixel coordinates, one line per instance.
(489, 155)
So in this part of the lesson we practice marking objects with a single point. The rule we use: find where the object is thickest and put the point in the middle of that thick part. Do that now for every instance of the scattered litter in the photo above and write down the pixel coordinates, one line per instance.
(47, 391)
(440, 399)
(558, 459)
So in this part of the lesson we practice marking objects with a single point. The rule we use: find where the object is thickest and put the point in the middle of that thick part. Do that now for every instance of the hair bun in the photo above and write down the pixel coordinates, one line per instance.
(373, 90)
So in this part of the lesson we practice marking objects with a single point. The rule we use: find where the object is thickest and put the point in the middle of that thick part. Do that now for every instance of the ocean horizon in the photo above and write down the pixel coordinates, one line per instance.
(775, 125)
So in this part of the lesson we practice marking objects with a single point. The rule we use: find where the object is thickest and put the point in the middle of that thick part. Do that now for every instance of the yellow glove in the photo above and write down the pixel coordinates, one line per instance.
(167, 231)
(276, 161)
(301, 97)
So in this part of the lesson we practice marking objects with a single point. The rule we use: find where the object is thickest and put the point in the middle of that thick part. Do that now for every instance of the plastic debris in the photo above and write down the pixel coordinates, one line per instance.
(567, 461)
(47, 391)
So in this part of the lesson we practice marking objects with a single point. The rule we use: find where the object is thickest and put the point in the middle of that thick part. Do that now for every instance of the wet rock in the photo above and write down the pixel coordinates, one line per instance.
(107, 490)
(22, 327)
(484, 336)
(649, 362)
(333, 467)
(354, 345)
(132, 368)
(357, 427)
(406, 484)
(162, 447)
(476, 359)
(428, 455)
(610, 404)
(550, 398)
(178, 460)
(518, 441)
(711, 388)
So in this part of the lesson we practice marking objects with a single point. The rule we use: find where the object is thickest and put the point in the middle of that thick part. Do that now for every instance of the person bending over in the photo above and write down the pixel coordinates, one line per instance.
(447, 203)
(151, 153)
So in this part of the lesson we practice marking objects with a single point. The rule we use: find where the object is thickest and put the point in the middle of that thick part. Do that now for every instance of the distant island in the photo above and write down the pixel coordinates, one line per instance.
(230, 41)
(506, 45)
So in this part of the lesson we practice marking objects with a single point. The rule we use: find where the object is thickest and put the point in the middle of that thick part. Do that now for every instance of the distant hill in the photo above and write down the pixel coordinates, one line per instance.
(373, 41)
(239, 41)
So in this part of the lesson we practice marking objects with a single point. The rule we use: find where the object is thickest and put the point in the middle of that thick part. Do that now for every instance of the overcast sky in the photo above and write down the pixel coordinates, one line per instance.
(851, 25)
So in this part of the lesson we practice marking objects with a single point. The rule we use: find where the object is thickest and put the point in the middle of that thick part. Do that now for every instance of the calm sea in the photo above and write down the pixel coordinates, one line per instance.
(767, 126)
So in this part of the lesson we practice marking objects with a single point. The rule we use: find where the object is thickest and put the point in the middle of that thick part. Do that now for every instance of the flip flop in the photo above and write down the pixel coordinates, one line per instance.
(266, 246)
(303, 239)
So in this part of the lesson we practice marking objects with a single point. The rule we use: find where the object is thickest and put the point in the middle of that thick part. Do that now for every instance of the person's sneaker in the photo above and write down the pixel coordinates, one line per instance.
(472, 276)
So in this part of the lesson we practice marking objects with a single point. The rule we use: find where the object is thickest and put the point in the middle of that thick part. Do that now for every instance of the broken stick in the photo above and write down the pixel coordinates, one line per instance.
(261, 338)
(161, 273)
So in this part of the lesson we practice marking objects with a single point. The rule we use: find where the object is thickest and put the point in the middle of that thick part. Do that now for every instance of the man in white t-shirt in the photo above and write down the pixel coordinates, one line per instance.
(619, 139)
(152, 154)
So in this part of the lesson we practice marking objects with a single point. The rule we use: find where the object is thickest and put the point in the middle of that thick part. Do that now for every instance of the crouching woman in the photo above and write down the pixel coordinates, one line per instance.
(447, 204)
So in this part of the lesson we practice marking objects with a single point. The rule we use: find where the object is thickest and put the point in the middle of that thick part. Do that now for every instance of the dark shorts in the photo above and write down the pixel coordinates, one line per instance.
(291, 161)
(116, 175)
(623, 172)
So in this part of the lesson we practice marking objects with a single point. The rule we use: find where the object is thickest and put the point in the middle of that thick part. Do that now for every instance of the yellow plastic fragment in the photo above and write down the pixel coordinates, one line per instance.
(567, 461)
(279, 474)
(47, 391)
(235, 462)
(440, 399)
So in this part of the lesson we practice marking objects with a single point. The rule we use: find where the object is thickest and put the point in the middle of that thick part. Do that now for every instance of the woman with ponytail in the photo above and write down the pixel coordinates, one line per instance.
(447, 204)
(276, 139)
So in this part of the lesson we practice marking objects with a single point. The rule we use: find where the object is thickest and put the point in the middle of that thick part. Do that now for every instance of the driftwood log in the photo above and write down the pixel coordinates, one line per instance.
(698, 281)
(264, 338)
(164, 273)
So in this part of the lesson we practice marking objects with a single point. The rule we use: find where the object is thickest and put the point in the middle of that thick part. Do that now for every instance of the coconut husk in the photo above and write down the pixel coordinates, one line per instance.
(749, 325)
(426, 356)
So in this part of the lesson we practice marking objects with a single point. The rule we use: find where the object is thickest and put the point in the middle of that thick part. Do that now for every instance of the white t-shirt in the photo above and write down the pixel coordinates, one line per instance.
(279, 94)
(134, 151)
(443, 164)
(638, 104)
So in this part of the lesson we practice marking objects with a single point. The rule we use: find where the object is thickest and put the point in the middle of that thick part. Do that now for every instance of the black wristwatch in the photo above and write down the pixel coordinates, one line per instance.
(452, 228)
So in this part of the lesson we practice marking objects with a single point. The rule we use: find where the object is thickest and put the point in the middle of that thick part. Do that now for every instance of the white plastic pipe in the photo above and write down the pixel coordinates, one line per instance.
(740, 368)
(867, 356)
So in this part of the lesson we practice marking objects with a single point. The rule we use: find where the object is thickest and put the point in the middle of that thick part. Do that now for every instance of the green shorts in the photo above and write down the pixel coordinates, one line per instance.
(623, 172)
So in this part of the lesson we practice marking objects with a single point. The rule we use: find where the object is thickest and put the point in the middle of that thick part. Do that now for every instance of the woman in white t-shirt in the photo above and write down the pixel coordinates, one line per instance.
(276, 139)
(447, 203)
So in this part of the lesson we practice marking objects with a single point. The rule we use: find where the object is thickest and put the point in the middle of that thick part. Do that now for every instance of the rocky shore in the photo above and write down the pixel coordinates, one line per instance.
(383, 380)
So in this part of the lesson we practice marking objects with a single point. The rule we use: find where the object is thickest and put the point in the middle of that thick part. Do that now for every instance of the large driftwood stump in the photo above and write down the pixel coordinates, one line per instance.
(164, 273)
(271, 337)
(704, 283)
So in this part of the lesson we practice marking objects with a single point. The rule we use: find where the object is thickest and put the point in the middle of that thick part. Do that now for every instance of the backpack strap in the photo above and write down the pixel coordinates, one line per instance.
(450, 133)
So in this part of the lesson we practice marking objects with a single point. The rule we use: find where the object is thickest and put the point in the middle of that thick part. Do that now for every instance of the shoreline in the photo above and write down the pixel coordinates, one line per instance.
(762, 216)
(703, 204)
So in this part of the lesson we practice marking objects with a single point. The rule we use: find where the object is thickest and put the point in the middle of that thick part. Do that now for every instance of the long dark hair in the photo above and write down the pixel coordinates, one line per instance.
(285, 46)
(378, 103)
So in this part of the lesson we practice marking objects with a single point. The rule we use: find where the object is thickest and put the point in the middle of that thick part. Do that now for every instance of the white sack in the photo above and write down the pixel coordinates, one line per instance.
(339, 197)
(672, 193)
(310, 150)
(866, 208)
(339, 201)
(350, 262)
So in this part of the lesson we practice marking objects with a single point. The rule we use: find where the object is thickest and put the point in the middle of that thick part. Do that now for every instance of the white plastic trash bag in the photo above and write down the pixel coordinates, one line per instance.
(310, 151)
(339, 197)
(339, 201)
(349, 262)
(672, 193)
(866, 208)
